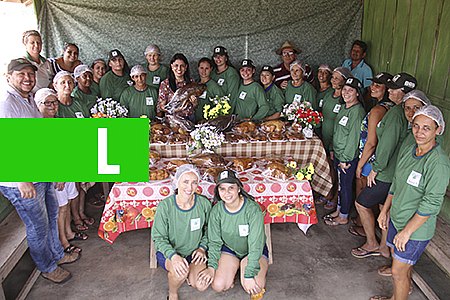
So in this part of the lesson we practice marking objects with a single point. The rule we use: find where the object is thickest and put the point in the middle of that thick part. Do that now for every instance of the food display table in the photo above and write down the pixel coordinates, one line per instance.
(305, 151)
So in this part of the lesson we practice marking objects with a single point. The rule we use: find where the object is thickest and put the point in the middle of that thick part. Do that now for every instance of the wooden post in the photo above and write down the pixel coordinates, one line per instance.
(269, 241)
(153, 263)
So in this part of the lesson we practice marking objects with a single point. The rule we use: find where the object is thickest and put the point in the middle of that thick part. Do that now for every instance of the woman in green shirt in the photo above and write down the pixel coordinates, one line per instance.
(415, 198)
(117, 79)
(274, 94)
(298, 89)
(236, 238)
(179, 233)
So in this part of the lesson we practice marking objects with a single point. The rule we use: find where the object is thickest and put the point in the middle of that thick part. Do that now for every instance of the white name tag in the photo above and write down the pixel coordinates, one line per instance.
(321, 103)
(343, 121)
(243, 230)
(297, 97)
(221, 81)
(203, 96)
(195, 224)
(149, 100)
(79, 114)
(414, 178)
(242, 95)
(379, 124)
(156, 80)
(337, 108)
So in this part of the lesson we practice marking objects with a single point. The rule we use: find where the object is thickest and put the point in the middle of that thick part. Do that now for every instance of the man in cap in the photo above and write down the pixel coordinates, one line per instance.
(357, 65)
(156, 72)
(83, 92)
(35, 202)
(250, 101)
(224, 74)
(140, 99)
(288, 53)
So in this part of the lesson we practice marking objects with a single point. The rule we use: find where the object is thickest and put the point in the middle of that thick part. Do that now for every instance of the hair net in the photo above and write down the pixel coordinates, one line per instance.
(344, 72)
(61, 74)
(325, 67)
(183, 169)
(42, 94)
(152, 48)
(433, 113)
(137, 70)
(418, 95)
(298, 63)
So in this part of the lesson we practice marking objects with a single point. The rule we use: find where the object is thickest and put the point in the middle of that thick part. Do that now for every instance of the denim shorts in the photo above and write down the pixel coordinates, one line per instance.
(161, 259)
(413, 249)
(227, 250)
(371, 196)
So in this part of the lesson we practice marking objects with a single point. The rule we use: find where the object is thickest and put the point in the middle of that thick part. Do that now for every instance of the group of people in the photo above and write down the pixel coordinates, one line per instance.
(379, 130)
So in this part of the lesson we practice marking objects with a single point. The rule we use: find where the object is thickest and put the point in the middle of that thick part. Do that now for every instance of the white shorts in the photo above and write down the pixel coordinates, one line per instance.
(68, 193)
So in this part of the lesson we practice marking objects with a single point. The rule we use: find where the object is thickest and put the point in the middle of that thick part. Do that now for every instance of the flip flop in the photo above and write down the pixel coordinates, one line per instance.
(379, 297)
(81, 226)
(72, 248)
(385, 271)
(89, 221)
(330, 205)
(360, 252)
(352, 230)
(332, 222)
(79, 236)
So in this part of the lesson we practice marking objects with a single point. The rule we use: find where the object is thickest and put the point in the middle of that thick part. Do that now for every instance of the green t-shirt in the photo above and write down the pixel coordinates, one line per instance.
(391, 131)
(320, 98)
(304, 92)
(111, 85)
(419, 186)
(330, 109)
(242, 232)
(251, 102)
(347, 131)
(154, 78)
(177, 231)
(212, 90)
(95, 88)
(275, 97)
(228, 80)
(74, 110)
(87, 100)
(140, 103)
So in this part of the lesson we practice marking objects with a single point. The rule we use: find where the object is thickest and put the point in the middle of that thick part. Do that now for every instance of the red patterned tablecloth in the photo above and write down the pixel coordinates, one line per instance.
(132, 205)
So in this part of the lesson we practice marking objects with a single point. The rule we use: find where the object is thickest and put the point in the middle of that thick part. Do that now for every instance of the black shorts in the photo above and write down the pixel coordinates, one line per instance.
(371, 196)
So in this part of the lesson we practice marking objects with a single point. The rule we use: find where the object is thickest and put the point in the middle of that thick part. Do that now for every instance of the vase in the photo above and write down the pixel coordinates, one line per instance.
(308, 132)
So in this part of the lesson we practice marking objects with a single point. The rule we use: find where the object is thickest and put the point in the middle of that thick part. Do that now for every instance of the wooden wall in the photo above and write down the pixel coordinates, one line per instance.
(413, 36)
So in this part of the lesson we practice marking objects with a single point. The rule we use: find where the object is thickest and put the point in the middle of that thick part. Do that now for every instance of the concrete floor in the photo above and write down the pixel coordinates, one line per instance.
(316, 266)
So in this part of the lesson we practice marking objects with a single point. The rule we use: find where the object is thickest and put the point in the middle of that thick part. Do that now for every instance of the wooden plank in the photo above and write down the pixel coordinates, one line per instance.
(387, 29)
(153, 262)
(2, 293)
(269, 241)
(377, 35)
(28, 285)
(439, 247)
(423, 286)
(413, 41)
(400, 35)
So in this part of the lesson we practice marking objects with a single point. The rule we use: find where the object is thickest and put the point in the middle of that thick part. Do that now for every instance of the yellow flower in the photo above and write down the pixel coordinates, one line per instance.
(308, 176)
(311, 168)
(143, 117)
(292, 164)
(299, 176)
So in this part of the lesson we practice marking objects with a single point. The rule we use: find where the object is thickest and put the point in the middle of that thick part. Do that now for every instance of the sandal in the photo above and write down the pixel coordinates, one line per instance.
(81, 226)
(72, 249)
(385, 271)
(353, 230)
(79, 236)
(360, 252)
(88, 221)
(321, 200)
(330, 205)
(333, 222)
(378, 297)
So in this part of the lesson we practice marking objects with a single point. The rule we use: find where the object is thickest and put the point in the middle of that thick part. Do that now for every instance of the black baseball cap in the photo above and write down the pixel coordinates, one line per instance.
(403, 81)
(219, 50)
(18, 64)
(247, 63)
(382, 78)
(267, 68)
(114, 53)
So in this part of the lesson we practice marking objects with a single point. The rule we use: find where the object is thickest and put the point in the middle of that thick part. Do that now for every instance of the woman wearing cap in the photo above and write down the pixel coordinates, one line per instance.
(179, 233)
(250, 101)
(99, 69)
(274, 94)
(115, 81)
(156, 72)
(298, 89)
(140, 99)
(47, 103)
(68, 61)
(415, 197)
(68, 106)
(83, 92)
(205, 66)
(236, 238)
(345, 146)
(224, 74)
(33, 45)
(324, 78)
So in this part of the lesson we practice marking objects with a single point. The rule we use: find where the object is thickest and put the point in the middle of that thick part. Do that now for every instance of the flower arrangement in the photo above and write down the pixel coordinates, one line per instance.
(222, 107)
(302, 113)
(301, 173)
(206, 138)
(108, 108)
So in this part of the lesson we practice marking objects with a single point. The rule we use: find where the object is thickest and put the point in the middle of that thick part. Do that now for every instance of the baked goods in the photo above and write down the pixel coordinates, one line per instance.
(207, 160)
(244, 127)
(278, 170)
(159, 138)
(178, 138)
(173, 164)
(235, 137)
(154, 157)
(159, 129)
(272, 126)
(243, 163)
(276, 136)
(294, 135)
(158, 174)
(211, 174)
(257, 136)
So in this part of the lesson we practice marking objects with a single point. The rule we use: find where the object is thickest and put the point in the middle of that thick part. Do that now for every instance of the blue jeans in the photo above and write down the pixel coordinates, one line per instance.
(345, 196)
(40, 216)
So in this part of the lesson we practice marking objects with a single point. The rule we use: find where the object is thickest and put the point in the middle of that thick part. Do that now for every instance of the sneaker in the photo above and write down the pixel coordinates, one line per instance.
(58, 276)
(69, 258)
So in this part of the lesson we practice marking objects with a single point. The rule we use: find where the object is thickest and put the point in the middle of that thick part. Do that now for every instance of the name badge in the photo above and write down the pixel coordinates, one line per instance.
(297, 97)
(343, 121)
(221, 81)
(242, 95)
(243, 230)
(337, 108)
(195, 224)
(379, 124)
(414, 178)
(149, 100)
(203, 96)
(79, 114)
(156, 79)
(321, 103)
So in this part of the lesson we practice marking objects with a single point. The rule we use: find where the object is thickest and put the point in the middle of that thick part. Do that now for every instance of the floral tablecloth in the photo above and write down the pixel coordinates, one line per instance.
(132, 205)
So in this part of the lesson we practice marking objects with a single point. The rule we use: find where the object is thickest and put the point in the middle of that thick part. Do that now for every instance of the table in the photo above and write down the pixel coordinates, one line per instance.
(306, 151)
(132, 205)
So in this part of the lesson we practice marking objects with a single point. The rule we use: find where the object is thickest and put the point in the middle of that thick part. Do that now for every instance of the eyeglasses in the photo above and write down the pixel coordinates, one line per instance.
(50, 103)
(287, 53)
